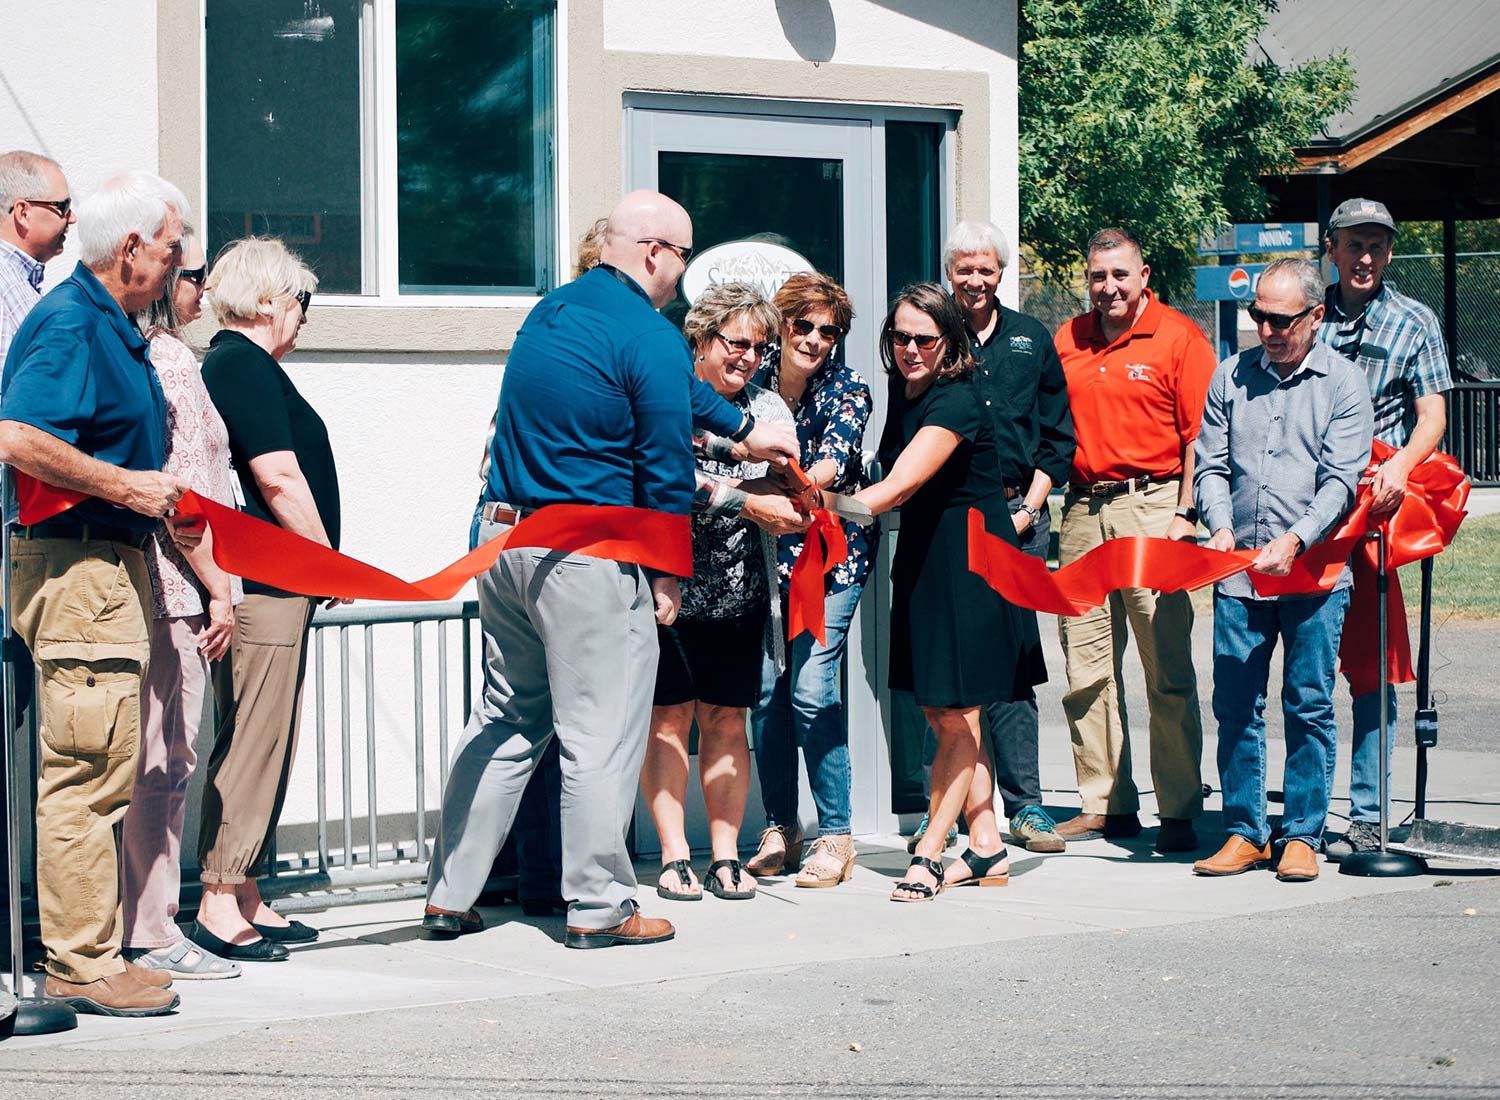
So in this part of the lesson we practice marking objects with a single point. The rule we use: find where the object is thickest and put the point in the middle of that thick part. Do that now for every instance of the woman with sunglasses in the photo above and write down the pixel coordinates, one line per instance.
(711, 656)
(956, 644)
(193, 603)
(804, 705)
(259, 292)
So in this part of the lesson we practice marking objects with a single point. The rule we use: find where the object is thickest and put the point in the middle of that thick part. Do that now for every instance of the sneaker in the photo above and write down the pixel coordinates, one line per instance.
(1033, 828)
(1363, 836)
(916, 837)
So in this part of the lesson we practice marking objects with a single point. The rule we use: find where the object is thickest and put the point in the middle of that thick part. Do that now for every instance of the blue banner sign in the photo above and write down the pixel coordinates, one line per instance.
(1259, 237)
(1228, 283)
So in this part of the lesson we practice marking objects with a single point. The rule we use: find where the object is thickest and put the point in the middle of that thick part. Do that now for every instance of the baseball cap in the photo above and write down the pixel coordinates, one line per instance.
(1361, 212)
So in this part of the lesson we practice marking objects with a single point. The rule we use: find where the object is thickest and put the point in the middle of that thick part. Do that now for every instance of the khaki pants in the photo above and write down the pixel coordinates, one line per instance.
(259, 691)
(1094, 649)
(81, 609)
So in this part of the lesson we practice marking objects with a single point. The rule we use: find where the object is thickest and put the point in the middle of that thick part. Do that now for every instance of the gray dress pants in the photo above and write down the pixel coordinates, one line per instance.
(570, 651)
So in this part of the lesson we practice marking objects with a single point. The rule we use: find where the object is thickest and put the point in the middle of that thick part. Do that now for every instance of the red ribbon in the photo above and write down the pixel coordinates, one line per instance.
(39, 501)
(824, 548)
(1429, 515)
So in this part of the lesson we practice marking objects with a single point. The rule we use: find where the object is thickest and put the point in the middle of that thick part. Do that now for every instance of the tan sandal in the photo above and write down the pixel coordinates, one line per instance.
(831, 862)
(780, 848)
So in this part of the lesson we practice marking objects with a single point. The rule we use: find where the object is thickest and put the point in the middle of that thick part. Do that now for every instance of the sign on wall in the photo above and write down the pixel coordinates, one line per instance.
(765, 265)
(1259, 237)
(1228, 284)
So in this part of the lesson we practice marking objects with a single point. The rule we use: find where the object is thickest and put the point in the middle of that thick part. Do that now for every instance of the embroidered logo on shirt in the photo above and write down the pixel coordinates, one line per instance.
(1138, 372)
(1021, 345)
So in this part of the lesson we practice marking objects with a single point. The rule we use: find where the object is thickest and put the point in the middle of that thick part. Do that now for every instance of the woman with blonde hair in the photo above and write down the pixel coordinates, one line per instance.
(192, 621)
(956, 644)
(260, 293)
(711, 656)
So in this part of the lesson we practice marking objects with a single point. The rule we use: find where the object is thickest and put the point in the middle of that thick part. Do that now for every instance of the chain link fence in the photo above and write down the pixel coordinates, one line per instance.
(1054, 304)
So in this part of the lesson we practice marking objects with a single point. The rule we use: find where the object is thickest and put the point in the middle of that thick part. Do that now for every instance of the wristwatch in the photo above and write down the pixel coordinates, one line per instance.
(1035, 514)
(1190, 514)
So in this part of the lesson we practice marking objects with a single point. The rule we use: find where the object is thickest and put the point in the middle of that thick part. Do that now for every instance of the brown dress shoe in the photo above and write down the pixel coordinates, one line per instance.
(157, 979)
(1094, 826)
(780, 851)
(1299, 863)
(1236, 857)
(115, 995)
(634, 929)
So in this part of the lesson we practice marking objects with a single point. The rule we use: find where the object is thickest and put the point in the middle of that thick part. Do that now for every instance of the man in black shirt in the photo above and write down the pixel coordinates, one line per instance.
(1020, 380)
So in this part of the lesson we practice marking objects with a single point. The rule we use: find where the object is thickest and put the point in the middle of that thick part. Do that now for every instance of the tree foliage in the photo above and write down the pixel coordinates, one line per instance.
(1154, 115)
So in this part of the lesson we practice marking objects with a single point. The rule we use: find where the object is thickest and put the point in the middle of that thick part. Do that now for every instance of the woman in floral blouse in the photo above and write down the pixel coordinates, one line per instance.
(711, 656)
(191, 624)
(803, 704)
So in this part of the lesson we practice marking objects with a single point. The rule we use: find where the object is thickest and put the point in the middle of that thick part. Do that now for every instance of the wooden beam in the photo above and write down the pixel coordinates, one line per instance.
(1345, 160)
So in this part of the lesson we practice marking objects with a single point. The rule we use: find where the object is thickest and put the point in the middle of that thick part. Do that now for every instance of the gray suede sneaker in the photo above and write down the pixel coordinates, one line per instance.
(1034, 829)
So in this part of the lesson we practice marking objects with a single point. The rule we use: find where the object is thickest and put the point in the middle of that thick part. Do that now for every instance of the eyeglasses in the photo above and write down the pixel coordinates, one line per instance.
(923, 340)
(684, 252)
(740, 347)
(194, 275)
(60, 207)
(802, 327)
(304, 300)
(1278, 321)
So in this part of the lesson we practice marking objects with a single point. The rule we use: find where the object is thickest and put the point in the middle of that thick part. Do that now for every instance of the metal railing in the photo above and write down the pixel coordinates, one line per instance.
(390, 860)
(1473, 435)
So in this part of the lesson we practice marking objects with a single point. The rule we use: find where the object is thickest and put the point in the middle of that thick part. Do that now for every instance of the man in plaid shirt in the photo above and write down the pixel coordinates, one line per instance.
(35, 213)
(1398, 343)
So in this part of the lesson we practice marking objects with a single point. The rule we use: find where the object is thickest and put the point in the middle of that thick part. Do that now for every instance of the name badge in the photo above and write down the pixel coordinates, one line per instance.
(1374, 351)
(238, 488)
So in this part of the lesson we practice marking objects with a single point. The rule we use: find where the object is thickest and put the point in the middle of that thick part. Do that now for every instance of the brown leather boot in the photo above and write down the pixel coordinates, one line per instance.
(156, 979)
(1299, 863)
(115, 995)
(780, 851)
(1236, 857)
(633, 930)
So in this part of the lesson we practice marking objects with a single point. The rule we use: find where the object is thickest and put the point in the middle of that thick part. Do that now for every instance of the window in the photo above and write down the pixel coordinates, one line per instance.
(401, 146)
(913, 203)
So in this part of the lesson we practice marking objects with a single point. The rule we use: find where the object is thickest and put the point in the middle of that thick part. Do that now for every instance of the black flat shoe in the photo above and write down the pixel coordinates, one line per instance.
(295, 932)
(440, 924)
(262, 950)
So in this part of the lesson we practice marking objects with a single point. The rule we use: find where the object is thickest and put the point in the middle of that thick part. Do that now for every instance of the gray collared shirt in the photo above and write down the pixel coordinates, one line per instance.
(1277, 455)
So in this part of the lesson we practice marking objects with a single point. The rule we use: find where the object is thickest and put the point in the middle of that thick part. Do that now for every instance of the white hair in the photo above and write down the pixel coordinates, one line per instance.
(252, 273)
(135, 202)
(976, 236)
(23, 175)
(1309, 278)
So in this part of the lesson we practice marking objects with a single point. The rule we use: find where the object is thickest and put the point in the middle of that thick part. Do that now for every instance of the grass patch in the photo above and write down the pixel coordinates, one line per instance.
(1465, 577)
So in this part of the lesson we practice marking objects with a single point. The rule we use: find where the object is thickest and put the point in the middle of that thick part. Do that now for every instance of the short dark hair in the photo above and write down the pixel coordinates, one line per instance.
(937, 303)
(1113, 237)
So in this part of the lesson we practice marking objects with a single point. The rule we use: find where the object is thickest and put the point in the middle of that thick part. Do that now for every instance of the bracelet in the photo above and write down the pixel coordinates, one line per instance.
(740, 434)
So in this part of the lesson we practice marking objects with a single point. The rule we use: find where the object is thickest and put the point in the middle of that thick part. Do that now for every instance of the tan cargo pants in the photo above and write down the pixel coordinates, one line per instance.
(1094, 650)
(81, 608)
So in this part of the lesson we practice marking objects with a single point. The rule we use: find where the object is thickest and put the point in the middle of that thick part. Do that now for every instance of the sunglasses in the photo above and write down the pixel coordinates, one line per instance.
(741, 347)
(304, 300)
(684, 252)
(923, 340)
(1278, 321)
(194, 275)
(60, 207)
(802, 327)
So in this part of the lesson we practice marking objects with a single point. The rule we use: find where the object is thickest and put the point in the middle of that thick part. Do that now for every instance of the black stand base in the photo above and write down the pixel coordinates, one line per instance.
(1385, 864)
(39, 1017)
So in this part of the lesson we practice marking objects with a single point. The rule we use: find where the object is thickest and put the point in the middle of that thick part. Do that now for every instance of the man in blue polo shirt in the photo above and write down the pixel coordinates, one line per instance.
(597, 406)
(81, 409)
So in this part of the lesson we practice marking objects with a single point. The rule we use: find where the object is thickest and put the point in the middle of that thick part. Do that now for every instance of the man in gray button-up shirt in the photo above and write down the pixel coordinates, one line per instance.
(1286, 434)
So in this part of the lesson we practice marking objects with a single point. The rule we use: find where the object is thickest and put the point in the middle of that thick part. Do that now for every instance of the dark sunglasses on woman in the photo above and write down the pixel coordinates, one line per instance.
(194, 275)
(923, 340)
(802, 326)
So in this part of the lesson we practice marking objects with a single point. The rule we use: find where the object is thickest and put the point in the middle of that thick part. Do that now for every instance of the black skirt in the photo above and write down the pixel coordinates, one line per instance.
(955, 641)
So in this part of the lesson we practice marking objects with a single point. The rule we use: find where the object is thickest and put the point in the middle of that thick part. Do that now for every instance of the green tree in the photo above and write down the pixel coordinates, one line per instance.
(1156, 115)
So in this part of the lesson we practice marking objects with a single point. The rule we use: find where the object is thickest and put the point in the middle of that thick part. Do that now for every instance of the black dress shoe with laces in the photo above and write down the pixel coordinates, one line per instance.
(444, 924)
(261, 950)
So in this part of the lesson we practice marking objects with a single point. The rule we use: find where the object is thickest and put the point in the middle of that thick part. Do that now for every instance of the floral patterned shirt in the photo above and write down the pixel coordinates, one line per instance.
(198, 453)
(831, 416)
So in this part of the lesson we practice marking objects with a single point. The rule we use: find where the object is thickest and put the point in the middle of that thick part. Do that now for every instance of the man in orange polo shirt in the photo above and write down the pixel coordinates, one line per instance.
(1138, 375)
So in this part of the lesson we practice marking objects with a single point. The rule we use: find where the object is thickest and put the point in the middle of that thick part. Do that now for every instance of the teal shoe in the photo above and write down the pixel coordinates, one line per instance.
(916, 837)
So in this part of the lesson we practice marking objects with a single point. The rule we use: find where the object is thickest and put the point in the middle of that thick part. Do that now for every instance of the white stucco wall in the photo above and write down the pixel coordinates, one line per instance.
(966, 35)
(78, 84)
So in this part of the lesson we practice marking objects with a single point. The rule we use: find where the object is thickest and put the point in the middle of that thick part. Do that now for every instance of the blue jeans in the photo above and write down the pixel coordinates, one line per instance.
(1364, 760)
(1245, 636)
(805, 705)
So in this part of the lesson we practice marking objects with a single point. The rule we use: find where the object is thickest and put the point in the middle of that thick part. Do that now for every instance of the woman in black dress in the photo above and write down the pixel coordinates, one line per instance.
(956, 644)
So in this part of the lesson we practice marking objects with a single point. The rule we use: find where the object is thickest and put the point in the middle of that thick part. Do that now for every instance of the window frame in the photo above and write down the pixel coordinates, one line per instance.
(380, 237)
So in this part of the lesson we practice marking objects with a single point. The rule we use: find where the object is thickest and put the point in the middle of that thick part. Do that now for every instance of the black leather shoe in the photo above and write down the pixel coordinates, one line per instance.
(295, 932)
(262, 950)
(1176, 835)
(443, 924)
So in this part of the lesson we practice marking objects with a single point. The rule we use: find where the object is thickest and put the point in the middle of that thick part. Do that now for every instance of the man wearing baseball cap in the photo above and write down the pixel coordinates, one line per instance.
(1398, 343)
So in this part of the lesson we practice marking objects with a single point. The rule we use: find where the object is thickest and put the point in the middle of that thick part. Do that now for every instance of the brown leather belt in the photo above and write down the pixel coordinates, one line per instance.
(497, 511)
(1106, 489)
(1011, 492)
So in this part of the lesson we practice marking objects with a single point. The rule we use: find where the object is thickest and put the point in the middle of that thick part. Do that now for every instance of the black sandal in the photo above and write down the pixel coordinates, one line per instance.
(684, 875)
(980, 868)
(921, 889)
(716, 885)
